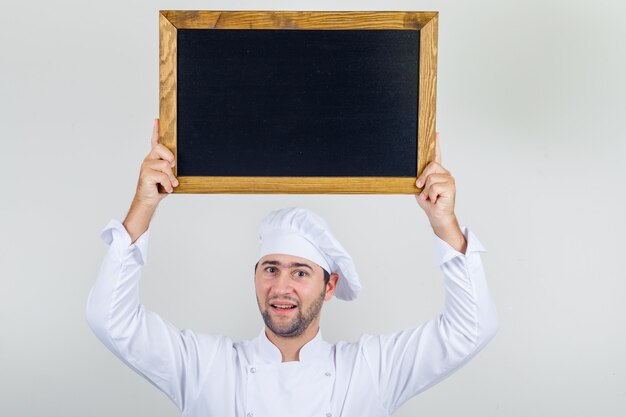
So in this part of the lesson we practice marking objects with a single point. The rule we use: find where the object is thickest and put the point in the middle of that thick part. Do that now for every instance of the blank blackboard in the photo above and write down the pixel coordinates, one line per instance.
(297, 103)
(308, 102)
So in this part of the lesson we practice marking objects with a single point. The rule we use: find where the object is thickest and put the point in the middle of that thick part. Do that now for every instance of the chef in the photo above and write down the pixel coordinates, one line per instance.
(288, 370)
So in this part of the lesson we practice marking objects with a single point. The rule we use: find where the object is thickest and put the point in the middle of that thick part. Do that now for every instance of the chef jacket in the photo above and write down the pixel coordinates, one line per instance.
(211, 375)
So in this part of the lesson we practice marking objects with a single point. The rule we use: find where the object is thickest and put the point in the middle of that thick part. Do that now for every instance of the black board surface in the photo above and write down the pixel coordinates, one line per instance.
(297, 103)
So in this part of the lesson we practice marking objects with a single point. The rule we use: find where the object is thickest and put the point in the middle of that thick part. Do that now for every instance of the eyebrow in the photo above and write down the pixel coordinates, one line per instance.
(291, 265)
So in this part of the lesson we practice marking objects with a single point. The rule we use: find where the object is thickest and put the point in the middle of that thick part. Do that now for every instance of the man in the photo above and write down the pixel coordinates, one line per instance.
(289, 370)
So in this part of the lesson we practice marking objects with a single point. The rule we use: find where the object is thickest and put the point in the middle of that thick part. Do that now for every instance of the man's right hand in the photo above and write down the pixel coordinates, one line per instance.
(156, 169)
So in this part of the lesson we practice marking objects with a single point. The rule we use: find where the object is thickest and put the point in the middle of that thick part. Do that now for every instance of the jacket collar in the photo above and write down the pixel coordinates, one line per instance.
(314, 350)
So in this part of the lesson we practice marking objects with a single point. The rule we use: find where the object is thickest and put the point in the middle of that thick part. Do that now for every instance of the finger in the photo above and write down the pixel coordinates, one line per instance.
(433, 180)
(162, 166)
(153, 177)
(432, 168)
(435, 192)
(155, 133)
(437, 149)
(163, 179)
(421, 202)
(436, 179)
(161, 152)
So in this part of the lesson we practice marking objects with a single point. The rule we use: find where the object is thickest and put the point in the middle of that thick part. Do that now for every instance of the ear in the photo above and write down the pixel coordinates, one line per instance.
(331, 286)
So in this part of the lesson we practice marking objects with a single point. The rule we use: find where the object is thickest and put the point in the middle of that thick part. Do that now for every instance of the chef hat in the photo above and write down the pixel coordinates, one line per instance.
(300, 232)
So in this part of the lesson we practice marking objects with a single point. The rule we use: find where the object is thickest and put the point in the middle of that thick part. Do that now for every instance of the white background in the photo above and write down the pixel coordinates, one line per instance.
(531, 110)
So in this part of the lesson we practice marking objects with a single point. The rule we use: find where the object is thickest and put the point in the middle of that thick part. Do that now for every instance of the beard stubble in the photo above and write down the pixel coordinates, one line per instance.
(299, 324)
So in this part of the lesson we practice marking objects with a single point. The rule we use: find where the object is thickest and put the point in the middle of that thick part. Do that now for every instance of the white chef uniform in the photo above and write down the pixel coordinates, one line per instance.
(210, 375)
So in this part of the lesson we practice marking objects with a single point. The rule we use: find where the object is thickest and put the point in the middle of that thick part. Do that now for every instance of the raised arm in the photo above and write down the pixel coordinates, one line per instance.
(174, 361)
(405, 363)
(437, 201)
(155, 169)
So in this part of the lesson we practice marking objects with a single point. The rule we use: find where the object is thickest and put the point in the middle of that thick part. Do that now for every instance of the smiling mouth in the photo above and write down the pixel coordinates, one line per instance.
(283, 307)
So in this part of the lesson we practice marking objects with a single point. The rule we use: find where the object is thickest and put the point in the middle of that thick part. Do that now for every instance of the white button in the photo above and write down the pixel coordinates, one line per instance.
(327, 374)
(252, 370)
(329, 415)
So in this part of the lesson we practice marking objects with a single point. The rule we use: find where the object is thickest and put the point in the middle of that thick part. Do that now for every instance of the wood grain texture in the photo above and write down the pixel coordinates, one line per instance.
(296, 185)
(427, 105)
(426, 22)
(211, 19)
(167, 85)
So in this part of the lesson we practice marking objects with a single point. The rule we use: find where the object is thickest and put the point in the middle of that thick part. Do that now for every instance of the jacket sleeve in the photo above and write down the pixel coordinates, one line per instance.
(406, 363)
(154, 348)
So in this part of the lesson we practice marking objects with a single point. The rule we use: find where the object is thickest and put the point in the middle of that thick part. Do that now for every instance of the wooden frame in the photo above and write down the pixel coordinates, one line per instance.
(425, 22)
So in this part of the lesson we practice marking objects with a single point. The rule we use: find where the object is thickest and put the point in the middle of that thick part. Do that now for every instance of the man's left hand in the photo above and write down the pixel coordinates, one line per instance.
(437, 201)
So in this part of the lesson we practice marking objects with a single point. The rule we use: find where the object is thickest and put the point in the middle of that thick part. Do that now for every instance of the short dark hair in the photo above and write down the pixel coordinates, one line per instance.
(326, 273)
(326, 276)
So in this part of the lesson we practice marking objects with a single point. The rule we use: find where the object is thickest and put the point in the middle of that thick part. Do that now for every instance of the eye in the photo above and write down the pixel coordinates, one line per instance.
(270, 269)
(302, 274)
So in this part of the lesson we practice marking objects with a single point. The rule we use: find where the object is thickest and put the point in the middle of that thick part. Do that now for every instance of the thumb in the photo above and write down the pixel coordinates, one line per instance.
(154, 141)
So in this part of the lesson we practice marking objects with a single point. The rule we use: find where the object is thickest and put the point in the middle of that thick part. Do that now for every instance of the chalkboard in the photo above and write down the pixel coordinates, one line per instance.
(298, 102)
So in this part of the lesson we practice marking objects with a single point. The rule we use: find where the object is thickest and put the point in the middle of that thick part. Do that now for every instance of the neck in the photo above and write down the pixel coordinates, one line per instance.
(290, 346)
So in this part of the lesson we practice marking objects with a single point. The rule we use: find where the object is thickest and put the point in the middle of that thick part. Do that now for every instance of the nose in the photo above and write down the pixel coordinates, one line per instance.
(282, 284)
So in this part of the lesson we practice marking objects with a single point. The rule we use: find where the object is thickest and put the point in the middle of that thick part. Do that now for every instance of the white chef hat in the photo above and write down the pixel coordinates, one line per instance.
(300, 232)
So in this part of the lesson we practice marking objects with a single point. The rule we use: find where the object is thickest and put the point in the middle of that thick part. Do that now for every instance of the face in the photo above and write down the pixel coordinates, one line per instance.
(290, 292)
